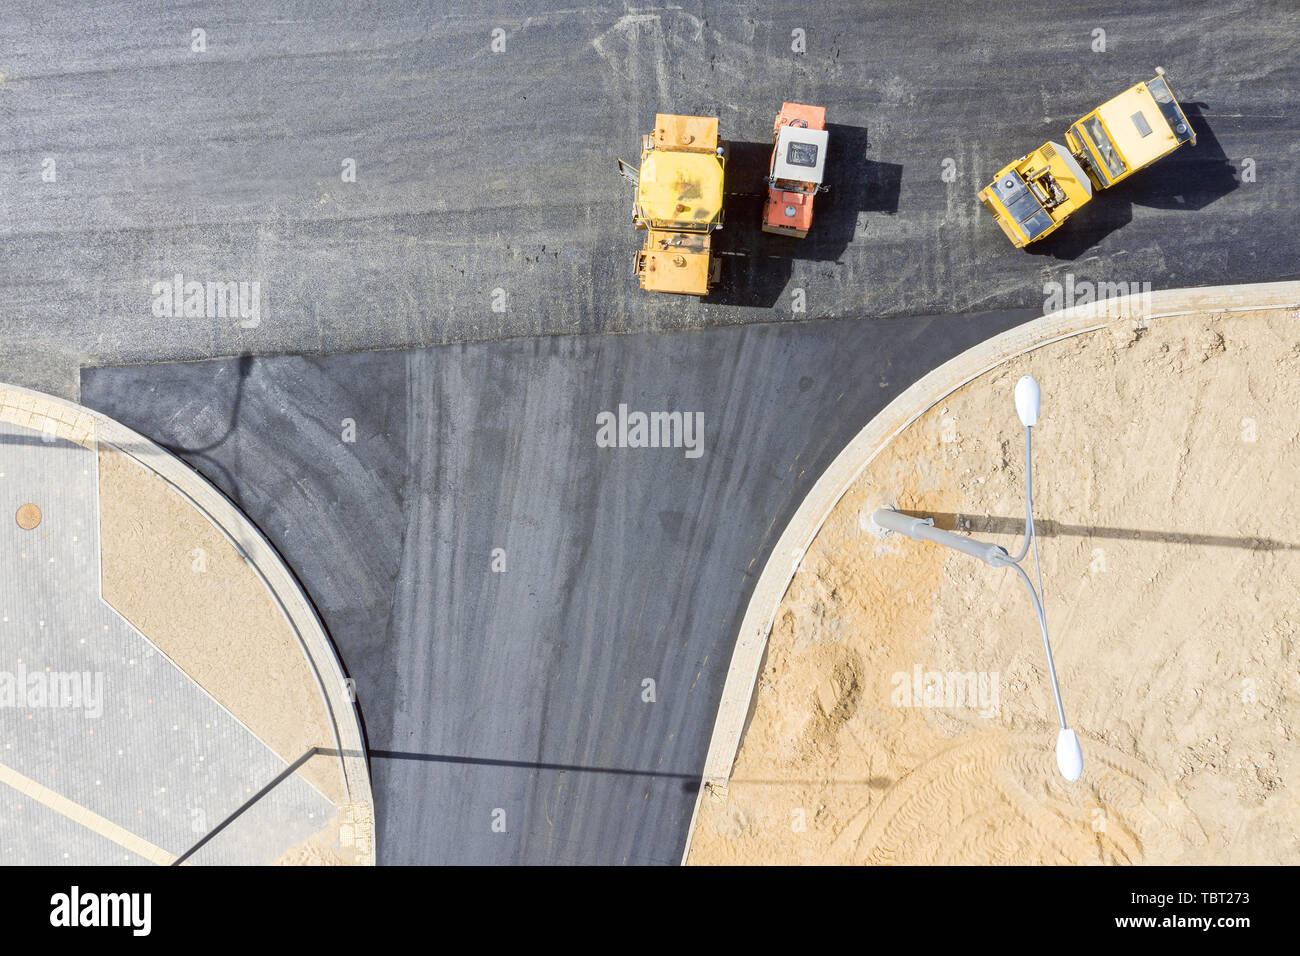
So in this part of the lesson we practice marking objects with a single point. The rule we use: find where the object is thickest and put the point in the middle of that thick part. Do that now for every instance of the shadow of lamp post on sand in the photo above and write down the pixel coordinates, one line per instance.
(1069, 758)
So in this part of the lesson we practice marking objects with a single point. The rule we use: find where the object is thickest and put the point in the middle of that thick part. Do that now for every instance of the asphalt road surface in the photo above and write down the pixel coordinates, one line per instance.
(486, 180)
(522, 690)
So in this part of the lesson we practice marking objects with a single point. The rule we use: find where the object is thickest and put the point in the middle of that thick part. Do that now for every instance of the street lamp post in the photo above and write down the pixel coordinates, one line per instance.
(1069, 758)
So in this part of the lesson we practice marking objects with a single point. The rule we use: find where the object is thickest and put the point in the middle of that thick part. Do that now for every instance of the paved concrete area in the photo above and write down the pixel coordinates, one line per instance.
(479, 171)
(522, 691)
(99, 726)
(32, 833)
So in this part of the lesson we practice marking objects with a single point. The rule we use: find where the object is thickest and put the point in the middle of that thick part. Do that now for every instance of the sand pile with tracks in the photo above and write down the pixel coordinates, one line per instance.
(1167, 464)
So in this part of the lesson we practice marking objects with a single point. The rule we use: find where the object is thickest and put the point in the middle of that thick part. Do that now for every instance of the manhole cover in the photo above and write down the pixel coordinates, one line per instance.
(28, 517)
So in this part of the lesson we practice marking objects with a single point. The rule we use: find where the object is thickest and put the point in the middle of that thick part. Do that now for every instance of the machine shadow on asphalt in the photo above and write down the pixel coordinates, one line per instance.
(757, 265)
(1192, 178)
(1189, 180)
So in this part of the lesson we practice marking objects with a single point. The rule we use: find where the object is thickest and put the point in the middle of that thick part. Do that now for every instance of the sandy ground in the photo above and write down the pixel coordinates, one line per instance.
(183, 585)
(1166, 464)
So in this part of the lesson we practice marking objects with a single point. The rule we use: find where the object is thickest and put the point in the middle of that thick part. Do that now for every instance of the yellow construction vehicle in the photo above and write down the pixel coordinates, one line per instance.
(678, 203)
(1031, 197)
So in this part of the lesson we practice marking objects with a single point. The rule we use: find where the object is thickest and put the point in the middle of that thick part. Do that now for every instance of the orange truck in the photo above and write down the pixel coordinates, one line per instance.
(798, 163)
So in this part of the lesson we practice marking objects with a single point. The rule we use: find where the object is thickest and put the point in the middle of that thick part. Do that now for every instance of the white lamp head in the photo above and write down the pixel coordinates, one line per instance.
(1028, 400)
(1069, 758)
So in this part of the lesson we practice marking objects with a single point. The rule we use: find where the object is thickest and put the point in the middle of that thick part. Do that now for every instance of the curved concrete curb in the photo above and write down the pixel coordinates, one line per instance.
(88, 428)
(788, 554)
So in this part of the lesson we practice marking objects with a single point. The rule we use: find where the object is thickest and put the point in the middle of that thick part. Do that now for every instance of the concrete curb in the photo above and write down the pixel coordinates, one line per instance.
(788, 554)
(88, 428)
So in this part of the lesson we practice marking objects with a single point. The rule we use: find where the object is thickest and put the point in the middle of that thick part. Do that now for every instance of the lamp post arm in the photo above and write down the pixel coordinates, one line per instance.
(1047, 647)
(922, 529)
(1029, 496)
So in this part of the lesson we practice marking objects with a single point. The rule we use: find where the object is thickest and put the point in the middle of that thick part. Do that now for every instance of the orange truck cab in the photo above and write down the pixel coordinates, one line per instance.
(794, 178)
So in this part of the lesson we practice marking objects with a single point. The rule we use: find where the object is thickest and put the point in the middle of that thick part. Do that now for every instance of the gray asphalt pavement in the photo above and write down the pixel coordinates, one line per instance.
(128, 157)
(523, 690)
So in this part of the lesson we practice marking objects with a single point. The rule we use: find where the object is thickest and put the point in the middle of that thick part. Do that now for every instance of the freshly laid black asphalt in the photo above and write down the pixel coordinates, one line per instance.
(486, 180)
(522, 691)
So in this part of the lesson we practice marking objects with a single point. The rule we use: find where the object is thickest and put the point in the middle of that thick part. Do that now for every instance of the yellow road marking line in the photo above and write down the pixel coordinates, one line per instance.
(87, 818)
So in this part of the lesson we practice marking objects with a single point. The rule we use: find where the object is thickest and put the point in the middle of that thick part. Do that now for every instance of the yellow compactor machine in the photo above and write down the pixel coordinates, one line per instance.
(679, 204)
(1033, 196)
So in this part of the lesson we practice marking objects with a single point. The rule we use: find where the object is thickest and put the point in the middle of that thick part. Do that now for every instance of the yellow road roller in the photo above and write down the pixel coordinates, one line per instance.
(1033, 196)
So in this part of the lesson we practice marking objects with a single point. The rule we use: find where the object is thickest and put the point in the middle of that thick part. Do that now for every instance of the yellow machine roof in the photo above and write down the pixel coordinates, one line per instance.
(680, 187)
(1035, 194)
(685, 132)
(1119, 116)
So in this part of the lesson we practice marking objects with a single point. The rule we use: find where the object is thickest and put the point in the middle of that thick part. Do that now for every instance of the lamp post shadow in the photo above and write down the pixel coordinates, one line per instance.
(984, 524)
